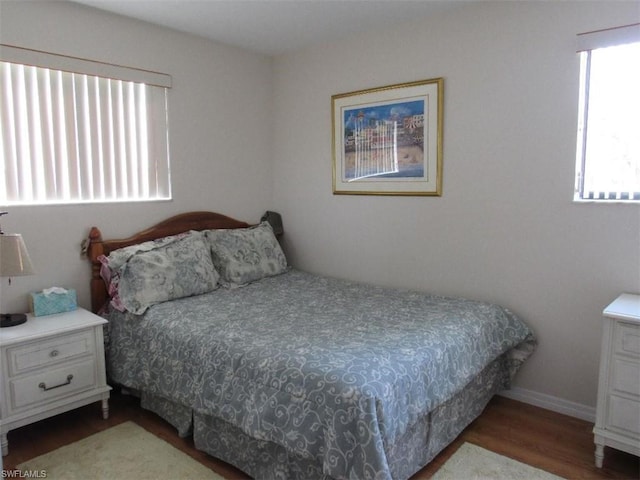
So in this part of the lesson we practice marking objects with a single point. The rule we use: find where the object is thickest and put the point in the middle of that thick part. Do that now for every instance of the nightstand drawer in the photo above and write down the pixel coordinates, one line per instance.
(34, 389)
(30, 356)
(627, 339)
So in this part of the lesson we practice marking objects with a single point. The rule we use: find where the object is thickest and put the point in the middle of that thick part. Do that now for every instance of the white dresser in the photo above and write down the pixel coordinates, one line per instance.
(49, 365)
(618, 411)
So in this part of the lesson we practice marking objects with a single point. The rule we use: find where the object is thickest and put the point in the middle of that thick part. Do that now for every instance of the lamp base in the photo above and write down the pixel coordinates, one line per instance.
(12, 319)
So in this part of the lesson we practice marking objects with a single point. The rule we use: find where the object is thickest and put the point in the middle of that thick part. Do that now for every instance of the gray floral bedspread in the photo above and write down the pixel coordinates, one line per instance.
(332, 370)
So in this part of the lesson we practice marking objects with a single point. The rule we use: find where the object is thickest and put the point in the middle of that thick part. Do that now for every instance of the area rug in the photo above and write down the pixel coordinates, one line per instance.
(121, 452)
(471, 462)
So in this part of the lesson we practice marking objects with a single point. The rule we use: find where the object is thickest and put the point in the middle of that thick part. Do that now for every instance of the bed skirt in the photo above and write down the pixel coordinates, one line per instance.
(406, 456)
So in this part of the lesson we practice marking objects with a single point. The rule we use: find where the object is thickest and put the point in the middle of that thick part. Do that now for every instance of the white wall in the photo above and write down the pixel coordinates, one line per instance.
(244, 139)
(505, 229)
(220, 134)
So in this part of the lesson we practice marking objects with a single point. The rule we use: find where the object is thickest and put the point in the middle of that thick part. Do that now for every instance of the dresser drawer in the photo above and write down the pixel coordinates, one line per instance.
(27, 357)
(625, 377)
(627, 339)
(624, 416)
(67, 379)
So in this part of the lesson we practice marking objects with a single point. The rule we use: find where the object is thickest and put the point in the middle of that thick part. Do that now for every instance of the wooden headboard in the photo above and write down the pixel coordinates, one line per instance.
(172, 226)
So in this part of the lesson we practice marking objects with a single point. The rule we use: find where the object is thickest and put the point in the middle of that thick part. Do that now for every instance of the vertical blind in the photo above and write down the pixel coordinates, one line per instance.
(73, 137)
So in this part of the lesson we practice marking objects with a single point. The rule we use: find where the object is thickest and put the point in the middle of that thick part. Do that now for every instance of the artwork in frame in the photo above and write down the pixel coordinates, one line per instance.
(388, 140)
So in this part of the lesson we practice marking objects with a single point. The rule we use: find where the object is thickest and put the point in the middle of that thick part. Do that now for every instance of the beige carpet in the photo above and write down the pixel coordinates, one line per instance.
(471, 462)
(126, 451)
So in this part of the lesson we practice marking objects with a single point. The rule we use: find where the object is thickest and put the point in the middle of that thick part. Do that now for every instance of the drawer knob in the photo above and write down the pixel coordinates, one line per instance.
(44, 387)
(54, 353)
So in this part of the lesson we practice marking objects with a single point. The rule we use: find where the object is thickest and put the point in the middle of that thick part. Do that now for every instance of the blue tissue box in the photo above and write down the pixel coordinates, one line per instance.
(50, 303)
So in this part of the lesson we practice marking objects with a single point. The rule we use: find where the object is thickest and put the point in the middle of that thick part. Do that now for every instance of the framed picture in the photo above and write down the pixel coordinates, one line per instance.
(388, 140)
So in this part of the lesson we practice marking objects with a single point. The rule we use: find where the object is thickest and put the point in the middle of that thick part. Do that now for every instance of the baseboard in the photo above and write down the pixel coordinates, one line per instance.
(552, 403)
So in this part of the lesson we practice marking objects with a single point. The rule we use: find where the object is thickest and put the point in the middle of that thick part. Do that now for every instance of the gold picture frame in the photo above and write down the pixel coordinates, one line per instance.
(388, 140)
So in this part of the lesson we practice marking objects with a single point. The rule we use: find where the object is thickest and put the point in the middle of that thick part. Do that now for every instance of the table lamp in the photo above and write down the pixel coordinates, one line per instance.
(14, 262)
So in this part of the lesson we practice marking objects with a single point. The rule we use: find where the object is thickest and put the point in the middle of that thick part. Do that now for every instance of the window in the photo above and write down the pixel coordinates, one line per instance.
(608, 147)
(77, 131)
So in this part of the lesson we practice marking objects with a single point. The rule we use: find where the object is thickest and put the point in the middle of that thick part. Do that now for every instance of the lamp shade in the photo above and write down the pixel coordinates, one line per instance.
(14, 258)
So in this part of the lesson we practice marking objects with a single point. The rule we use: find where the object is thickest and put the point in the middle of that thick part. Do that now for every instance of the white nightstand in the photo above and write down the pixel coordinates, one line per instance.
(51, 364)
(618, 412)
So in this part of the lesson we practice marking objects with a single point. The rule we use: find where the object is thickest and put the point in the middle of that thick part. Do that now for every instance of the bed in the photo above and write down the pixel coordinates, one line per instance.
(287, 374)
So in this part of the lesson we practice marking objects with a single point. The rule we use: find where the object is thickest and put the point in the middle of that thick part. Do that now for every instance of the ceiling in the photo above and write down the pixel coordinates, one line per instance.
(273, 27)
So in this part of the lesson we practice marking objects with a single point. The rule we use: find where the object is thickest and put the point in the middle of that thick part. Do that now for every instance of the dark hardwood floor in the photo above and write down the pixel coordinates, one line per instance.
(553, 442)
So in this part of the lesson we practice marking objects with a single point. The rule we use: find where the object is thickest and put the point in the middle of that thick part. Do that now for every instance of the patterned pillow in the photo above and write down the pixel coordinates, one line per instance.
(244, 255)
(175, 267)
(111, 265)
